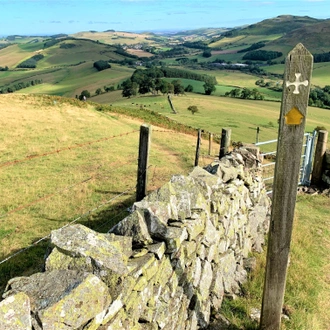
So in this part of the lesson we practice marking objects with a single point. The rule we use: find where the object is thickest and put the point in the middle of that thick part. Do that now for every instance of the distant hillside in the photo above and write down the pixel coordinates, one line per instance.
(281, 33)
(315, 37)
(278, 25)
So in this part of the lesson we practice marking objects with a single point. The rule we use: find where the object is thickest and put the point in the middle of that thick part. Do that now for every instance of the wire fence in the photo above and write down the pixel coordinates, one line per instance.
(100, 176)
(57, 151)
(104, 212)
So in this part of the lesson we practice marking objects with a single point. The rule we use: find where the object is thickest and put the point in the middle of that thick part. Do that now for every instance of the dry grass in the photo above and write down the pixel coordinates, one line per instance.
(12, 55)
(115, 37)
(47, 192)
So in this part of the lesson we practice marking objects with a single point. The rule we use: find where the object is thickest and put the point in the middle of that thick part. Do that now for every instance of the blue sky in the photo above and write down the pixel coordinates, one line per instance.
(42, 17)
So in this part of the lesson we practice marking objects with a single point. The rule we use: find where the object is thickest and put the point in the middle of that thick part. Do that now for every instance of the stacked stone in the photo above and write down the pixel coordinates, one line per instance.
(165, 266)
(326, 167)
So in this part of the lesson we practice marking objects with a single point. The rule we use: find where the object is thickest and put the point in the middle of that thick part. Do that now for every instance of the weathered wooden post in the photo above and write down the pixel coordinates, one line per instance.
(295, 96)
(142, 173)
(210, 143)
(198, 146)
(321, 147)
(257, 135)
(225, 142)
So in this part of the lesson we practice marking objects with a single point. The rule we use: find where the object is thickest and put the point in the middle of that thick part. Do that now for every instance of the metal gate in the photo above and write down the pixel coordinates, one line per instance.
(269, 161)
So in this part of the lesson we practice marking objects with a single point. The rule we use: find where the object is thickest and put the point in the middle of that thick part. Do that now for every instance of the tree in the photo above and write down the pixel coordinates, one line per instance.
(189, 88)
(146, 85)
(170, 88)
(207, 53)
(256, 95)
(209, 88)
(163, 88)
(178, 87)
(236, 92)
(101, 65)
(193, 109)
(109, 88)
(246, 93)
(98, 91)
(129, 88)
(85, 94)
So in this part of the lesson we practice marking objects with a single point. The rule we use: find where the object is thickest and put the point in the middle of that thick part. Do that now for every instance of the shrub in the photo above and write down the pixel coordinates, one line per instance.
(193, 109)
(67, 46)
(101, 65)
(85, 94)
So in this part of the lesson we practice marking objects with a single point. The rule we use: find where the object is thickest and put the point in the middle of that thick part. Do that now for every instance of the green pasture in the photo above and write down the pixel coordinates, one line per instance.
(277, 68)
(71, 81)
(83, 51)
(215, 113)
(108, 98)
(32, 46)
(223, 42)
(321, 74)
(243, 40)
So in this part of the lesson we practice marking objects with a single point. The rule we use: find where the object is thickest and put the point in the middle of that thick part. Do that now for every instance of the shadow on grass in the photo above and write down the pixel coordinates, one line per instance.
(32, 260)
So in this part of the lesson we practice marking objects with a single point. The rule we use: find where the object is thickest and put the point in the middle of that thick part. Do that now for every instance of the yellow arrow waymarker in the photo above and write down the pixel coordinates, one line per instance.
(294, 117)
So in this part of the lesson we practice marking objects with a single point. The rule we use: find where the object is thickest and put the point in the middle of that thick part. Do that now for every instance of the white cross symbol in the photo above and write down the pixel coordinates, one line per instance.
(297, 83)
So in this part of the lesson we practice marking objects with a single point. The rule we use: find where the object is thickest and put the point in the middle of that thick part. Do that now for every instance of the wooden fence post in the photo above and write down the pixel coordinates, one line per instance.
(225, 142)
(257, 134)
(199, 136)
(210, 143)
(142, 173)
(321, 147)
(295, 96)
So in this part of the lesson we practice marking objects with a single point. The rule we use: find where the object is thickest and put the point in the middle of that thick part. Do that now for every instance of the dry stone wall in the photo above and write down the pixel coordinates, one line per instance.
(165, 266)
(326, 169)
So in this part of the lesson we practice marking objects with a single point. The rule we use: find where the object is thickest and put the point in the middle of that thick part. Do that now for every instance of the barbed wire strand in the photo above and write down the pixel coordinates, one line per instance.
(171, 131)
(68, 224)
(57, 151)
(111, 220)
(72, 222)
(22, 207)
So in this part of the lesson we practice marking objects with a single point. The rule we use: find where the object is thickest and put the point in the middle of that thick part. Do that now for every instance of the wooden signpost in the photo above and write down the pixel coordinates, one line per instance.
(295, 96)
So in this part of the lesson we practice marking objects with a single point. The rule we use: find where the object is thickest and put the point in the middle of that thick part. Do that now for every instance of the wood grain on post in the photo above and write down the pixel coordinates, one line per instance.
(296, 86)
(198, 146)
(225, 142)
(142, 173)
(321, 147)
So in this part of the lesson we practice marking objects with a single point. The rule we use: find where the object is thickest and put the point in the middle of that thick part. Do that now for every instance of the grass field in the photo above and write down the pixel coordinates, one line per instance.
(63, 171)
(51, 185)
(307, 295)
(70, 81)
(215, 113)
(115, 37)
(12, 55)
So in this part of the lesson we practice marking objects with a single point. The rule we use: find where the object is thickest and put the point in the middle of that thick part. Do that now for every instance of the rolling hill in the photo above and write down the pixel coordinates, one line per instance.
(66, 67)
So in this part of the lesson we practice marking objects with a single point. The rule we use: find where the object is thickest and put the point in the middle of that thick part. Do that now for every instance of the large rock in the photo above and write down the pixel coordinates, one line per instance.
(134, 226)
(62, 299)
(80, 241)
(15, 312)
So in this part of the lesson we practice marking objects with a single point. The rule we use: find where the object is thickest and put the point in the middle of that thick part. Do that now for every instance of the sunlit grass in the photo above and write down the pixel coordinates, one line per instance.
(47, 192)
(307, 295)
